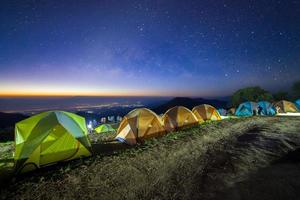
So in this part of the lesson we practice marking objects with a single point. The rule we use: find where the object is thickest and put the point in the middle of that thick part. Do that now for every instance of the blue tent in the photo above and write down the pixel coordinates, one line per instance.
(297, 103)
(222, 112)
(246, 109)
(267, 108)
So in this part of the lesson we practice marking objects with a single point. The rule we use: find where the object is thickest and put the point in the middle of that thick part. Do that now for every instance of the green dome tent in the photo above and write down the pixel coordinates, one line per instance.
(103, 128)
(50, 137)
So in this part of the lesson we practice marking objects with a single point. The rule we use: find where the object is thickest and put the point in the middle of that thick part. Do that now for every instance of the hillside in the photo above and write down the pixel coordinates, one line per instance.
(7, 124)
(249, 158)
(189, 103)
(9, 119)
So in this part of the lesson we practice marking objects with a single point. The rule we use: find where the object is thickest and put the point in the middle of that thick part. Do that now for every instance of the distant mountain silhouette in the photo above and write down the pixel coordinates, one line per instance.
(10, 119)
(189, 103)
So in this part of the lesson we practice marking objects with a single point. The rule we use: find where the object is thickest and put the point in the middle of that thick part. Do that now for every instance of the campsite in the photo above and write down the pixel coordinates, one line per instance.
(229, 159)
(222, 154)
(149, 99)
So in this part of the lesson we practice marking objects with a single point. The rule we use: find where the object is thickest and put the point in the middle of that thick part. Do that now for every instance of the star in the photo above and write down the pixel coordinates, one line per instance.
(134, 41)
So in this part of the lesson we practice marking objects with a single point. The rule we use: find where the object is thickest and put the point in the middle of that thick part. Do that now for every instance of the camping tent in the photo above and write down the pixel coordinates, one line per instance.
(206, 112)
(231, 111)
(103, 128)
(267, 108)
(139, 124)
(246, 109)
(50, 137)
(178, 117)
(297, 103)
(222, 112)
(285, 106)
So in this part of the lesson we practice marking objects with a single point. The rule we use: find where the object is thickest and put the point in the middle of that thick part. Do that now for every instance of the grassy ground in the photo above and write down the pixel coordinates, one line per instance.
(250, 158)
(100, 137)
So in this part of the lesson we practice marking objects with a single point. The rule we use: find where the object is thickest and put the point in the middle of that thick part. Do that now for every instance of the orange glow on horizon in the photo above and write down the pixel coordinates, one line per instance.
(91, 94)
(80, 93)
(54, 94)
(29, 90)
(56, 91)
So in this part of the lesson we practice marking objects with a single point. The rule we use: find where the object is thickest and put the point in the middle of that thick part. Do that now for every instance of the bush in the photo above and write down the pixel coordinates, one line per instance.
(250, 94)
(7, 134)
(296, 90)
(281, 96)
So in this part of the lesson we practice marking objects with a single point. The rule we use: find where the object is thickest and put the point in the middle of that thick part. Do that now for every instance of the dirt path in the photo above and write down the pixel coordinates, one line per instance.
(254, 158)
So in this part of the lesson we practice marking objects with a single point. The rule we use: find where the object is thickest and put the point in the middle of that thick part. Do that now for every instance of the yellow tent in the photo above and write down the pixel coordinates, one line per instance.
(50, 137)
(206, 112)
(285, 106)
(178, 117)
(139, 124)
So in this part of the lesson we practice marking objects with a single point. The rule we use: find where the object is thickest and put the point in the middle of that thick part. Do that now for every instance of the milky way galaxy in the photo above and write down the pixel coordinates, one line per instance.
(167, 47)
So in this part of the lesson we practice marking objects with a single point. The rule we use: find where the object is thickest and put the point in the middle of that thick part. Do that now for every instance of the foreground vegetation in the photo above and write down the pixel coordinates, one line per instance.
(250, 158)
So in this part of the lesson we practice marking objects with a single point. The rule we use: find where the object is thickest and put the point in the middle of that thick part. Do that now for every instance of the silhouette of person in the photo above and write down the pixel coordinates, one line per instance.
(254, 112)
(259, 110)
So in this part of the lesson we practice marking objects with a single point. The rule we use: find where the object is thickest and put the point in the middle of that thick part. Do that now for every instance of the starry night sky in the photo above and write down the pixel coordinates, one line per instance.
(179, 48)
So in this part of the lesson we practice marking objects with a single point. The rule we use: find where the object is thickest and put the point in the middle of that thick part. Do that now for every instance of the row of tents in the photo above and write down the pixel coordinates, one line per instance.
(56, 136)
(143, 123)
(266, 108)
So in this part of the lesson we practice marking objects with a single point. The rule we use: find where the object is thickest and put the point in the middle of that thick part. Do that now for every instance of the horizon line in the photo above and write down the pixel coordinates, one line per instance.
(101, 95)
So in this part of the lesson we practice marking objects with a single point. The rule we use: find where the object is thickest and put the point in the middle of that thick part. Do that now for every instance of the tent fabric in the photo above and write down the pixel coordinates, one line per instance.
(231, 111)
(246, 109)
(50, 137)
(267, 108)
(178, 117)
(297, 103)
(206, 112)
(285, 106)
(139, 124)
(103, 128)
(222, 112)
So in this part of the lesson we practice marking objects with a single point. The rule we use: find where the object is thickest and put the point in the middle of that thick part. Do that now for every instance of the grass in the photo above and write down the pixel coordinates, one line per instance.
(102, 137)
(6, 161)
(249, 158)
(6, 155)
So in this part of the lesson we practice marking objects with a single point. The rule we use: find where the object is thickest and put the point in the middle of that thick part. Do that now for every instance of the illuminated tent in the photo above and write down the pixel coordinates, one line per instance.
(246, 109)
(267, 108)
(285, 106)
(178, 117)
(50, 137)
(139, 124)
(222, 112)
(297, 103)
(103, 128)
(231, 111)
(206, 112)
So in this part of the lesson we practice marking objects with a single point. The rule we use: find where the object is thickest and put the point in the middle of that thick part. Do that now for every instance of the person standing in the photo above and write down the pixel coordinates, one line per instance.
(259, 110)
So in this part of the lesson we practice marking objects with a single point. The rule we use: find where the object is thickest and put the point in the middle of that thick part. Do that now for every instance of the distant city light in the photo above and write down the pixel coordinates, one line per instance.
(90, 125)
